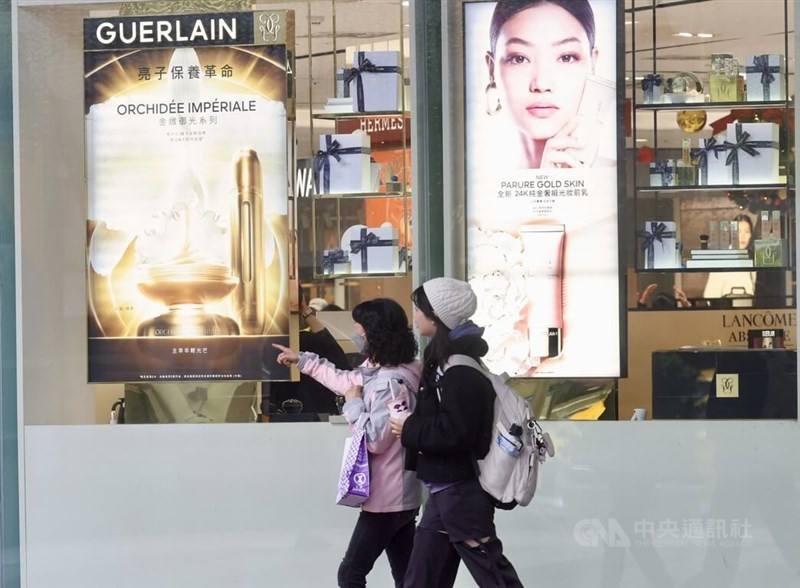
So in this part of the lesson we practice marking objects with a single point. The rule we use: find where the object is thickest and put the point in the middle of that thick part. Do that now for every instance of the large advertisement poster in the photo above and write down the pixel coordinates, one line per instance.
(542, 209)
(187, 236)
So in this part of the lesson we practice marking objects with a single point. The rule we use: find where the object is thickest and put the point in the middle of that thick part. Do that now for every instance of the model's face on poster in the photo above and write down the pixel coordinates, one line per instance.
(540, 65)
(541, 110)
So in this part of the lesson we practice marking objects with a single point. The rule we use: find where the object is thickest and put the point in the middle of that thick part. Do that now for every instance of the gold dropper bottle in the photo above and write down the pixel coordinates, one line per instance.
(247, 243)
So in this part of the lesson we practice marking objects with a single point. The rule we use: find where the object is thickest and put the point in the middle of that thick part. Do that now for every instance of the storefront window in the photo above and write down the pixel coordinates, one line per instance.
(712, 292)
(232, 181)
(204, 242)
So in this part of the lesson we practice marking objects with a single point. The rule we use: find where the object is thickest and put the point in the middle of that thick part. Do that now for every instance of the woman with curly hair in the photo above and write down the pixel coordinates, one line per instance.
(386, 522)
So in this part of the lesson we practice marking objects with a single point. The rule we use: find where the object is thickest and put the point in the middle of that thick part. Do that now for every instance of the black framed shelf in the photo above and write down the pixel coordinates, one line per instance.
(350, 115)
(717, 105)
(701, 308)
(661, 4)
(712, 270)
(723, 188)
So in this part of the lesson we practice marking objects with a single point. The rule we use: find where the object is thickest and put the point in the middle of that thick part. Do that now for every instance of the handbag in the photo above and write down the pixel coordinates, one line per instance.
(354, 474)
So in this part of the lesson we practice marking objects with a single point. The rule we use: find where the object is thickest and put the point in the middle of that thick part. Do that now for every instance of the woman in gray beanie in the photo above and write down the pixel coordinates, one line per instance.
(449, 430)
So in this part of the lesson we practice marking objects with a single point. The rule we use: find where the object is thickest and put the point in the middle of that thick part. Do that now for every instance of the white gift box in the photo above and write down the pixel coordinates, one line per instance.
(655, 85)
(375, 177)
(765, 79)
(338, 266)
(760, 167)
(659, 248)
(376, 91)
(342, 89)
(712, 170)
(662, 173)
(372, 249)
(350, 173)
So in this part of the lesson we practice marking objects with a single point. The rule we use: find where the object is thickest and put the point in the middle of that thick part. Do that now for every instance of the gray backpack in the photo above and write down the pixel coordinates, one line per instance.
(510, 470)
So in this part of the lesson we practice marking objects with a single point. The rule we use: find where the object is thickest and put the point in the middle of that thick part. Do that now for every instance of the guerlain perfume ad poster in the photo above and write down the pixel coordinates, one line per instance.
(542, 211)
(187, 235)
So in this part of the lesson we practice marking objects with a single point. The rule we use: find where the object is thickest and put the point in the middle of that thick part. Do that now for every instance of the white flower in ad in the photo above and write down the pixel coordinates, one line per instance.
(492, 251)
(498, 280)
(501, 297)
(508, 352)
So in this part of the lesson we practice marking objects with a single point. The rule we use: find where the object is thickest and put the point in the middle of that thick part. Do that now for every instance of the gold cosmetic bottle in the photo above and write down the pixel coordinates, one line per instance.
(247, 243)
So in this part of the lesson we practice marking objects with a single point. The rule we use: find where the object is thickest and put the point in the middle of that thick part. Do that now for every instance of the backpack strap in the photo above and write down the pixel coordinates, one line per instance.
(460, 359)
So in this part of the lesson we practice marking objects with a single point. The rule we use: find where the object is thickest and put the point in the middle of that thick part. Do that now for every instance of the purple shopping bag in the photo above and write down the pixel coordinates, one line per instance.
(354, 475)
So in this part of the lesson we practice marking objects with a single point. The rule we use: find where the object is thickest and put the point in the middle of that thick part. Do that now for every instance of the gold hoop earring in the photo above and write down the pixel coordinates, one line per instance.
(492, 99)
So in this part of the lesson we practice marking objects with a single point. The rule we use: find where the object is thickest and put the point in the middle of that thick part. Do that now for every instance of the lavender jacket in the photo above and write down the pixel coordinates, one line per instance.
(392, 487)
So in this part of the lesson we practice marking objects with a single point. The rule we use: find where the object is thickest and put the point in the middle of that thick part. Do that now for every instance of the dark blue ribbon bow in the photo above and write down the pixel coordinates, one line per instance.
(657, 233)
(366, 240)
(667, 172)
(743, 143)
(365, 66)
(650, 81)
(761, 65)
(322, 164)
(332, 257)
(700, 156)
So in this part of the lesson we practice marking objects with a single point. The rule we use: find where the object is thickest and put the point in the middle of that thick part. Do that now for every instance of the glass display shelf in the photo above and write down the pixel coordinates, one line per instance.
(717, 105)
(712, 270)
(725, 188)
(362, 195)
(350, 115)
(361, 276)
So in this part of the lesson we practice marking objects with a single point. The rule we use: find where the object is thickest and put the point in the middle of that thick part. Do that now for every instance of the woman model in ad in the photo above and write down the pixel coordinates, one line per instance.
(542, 207)
(541, 66)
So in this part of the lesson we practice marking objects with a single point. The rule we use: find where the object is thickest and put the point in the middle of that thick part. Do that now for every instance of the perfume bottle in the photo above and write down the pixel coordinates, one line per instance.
(777, 230)
(724, 78)
(734, 235)
(766, 225)
(713, 235)
(724, 235)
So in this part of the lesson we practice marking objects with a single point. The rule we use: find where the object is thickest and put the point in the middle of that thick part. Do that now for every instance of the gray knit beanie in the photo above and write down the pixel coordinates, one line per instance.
(453, 301)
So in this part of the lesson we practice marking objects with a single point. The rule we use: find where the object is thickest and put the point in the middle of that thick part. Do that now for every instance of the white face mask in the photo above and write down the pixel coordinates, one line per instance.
(360, 341)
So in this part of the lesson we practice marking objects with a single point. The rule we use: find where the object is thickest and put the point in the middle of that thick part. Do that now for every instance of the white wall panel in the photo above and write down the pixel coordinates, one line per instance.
(252, 506)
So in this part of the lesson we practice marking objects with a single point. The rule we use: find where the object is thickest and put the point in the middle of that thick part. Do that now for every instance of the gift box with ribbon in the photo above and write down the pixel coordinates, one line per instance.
(374, 81)
(752, 152)
(342, 164)
(335, 261)
(662, 173)
(659, 245)
(765, 79)
(372, 249)
(342, 89)
(652, 87)
(709, 158)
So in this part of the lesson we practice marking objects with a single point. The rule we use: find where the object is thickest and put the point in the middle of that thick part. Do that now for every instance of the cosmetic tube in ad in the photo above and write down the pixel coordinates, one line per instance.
(247, 242)
(543, 261)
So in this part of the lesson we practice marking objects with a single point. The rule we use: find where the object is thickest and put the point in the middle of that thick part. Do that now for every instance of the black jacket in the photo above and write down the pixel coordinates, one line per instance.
(443, 439)
(315, 397)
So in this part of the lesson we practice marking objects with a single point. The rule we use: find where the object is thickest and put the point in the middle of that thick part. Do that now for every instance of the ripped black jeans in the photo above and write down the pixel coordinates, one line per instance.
(454, 527)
